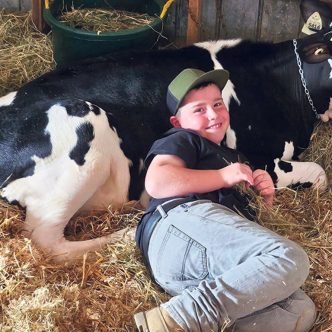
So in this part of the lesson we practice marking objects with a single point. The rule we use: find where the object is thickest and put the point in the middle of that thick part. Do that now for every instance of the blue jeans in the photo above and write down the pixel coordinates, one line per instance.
(226, 272)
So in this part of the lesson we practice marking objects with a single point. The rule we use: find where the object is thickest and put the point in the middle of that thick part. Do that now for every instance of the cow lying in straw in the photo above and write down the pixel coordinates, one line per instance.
(61, 155)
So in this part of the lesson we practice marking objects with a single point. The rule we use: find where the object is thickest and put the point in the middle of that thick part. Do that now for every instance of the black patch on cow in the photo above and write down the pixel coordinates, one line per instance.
(79, 108)
(85, 135)
(318, 80)
(28, 169)
(76, 108)
(137, 178)
(95, 109)
(22, 136)
(14, 201)
(301, 185)
(285, 166)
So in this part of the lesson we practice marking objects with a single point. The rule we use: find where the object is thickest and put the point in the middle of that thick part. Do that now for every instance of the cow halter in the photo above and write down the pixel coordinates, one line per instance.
(304, 83)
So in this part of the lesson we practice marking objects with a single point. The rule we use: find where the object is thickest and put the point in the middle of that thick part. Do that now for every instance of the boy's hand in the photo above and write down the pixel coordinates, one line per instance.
(264, 185)
(236, 173)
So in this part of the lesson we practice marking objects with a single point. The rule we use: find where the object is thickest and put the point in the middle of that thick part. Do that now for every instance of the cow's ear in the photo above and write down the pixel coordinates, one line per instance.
(174, 122)
(315, 53)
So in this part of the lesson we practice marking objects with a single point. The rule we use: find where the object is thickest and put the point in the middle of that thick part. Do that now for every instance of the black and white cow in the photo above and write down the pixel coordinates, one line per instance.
(75, 139)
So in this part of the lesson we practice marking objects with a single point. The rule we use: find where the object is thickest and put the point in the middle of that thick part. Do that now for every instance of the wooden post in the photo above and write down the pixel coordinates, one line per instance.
(194, 21)
(37, 15)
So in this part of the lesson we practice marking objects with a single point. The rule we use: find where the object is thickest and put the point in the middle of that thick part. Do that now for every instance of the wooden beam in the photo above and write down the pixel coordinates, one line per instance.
(37, 15)
(194, 21)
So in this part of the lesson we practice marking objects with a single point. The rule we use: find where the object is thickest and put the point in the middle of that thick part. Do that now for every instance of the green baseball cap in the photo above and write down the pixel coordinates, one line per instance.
(190, 78)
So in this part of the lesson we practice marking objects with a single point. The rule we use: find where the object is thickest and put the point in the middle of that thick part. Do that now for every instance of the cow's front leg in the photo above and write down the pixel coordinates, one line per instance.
(295, 173)
(48, 235)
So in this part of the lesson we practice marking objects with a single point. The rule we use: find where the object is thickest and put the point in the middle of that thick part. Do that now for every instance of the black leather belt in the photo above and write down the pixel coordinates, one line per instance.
(152, 221)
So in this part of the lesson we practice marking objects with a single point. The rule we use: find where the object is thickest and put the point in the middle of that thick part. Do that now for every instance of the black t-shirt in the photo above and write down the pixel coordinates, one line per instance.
(198, 153)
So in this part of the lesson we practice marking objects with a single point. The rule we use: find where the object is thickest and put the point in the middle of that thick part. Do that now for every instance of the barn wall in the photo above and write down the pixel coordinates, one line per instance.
(274, 20)
(16, 4)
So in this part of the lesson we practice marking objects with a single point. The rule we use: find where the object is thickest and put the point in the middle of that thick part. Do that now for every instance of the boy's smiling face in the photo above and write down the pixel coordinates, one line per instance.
(203, 111)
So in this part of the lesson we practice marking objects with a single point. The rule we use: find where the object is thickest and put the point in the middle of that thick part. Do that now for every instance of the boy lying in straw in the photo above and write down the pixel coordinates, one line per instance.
(223, 270)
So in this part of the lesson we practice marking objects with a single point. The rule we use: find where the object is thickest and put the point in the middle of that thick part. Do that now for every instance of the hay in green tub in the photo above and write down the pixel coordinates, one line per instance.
(104, 20)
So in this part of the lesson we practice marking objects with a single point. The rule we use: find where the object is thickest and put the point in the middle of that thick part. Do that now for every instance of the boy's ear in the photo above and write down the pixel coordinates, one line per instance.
(174, 122)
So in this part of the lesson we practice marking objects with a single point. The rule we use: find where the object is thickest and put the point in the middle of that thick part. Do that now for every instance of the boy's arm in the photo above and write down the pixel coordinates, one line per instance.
(168, 176)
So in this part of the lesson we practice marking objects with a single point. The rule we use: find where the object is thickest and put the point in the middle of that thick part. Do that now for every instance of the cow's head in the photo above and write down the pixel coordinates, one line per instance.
(316, 48)
(316, 60)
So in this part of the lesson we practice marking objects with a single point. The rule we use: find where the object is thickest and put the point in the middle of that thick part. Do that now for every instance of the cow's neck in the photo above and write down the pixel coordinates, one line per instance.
(318, 77)
(291, 73)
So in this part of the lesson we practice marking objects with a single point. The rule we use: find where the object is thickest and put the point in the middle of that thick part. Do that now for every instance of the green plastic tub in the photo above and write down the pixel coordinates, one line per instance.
(72, 44)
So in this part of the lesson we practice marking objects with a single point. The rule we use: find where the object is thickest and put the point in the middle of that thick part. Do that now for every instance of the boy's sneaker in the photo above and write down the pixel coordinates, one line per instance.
(156, 320)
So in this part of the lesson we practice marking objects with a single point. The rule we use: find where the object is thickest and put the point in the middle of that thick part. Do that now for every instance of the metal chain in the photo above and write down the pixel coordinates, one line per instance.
(306, 91)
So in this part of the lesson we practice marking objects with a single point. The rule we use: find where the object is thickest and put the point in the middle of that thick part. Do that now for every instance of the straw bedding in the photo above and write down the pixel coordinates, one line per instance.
(25, 53)
(101, 291)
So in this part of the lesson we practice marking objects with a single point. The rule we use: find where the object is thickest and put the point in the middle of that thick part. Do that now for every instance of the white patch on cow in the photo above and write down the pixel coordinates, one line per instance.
(288, 151)
(214, 46)
(249, 127)
(330, 63)
(8, 99)
(302, 172)
(230, 138)
(228, 91)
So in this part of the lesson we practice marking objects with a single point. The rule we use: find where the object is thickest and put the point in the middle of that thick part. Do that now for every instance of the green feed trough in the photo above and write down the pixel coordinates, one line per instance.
(71, 44)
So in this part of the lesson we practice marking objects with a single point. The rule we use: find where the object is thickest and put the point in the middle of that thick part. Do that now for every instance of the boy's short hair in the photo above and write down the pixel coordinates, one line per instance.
(187, 80)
